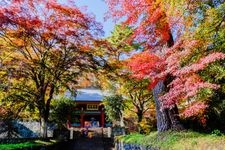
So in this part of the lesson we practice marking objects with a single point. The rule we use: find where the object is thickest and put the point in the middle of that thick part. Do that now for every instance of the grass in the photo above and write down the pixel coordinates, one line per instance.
(28, 144)
(186, 140)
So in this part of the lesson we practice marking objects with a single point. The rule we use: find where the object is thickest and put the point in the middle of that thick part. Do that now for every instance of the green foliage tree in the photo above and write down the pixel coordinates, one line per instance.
(62, 109)
(114, 107)
(115, 49)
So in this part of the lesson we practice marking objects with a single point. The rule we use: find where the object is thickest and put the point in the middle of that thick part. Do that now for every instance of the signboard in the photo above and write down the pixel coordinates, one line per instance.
(91, 124)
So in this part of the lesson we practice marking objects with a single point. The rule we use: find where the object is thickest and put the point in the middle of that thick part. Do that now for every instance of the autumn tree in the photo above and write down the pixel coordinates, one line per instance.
(116, 78)
(7, 114)
(191, 56)
(137, 93)
(172, 80)
(210, 35)
(47, 46)
(153, 31)
(139, 99)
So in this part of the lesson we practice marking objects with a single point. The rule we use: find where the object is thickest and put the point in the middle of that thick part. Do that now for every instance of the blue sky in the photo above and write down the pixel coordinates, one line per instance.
(98, 8)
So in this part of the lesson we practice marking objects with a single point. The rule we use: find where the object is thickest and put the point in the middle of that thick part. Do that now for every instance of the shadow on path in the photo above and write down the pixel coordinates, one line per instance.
(95, 143)
(88, 144)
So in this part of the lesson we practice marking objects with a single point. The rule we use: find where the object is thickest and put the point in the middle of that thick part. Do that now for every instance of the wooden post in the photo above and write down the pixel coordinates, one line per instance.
(109, 132)
(102, 129)
(71, 133)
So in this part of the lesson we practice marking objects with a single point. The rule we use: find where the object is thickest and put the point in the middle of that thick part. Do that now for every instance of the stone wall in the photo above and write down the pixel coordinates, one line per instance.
(24, 129)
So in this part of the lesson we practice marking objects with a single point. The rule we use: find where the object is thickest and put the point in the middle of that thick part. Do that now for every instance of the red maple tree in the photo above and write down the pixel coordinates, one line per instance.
(172, 82)
(49, 44)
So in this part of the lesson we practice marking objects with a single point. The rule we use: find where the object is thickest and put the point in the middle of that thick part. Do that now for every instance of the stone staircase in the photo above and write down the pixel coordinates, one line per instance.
(96, 139)
(94, 143)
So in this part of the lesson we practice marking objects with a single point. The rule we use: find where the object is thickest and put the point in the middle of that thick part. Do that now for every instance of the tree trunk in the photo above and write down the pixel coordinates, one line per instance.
(167, 118)
(163, 120)
(44, 127)
(140, 116)
(44, 112)
(122, 123)
(175, 119)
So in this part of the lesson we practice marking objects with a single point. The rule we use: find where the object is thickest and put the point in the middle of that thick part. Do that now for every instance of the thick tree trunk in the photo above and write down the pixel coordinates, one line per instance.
(44, 123)
(44, 110)
(163, 121)
(175, 119)
(43, 128)
(167, 118)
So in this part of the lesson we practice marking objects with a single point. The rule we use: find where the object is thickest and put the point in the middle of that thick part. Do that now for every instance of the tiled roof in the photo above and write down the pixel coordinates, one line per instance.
(88, 94)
